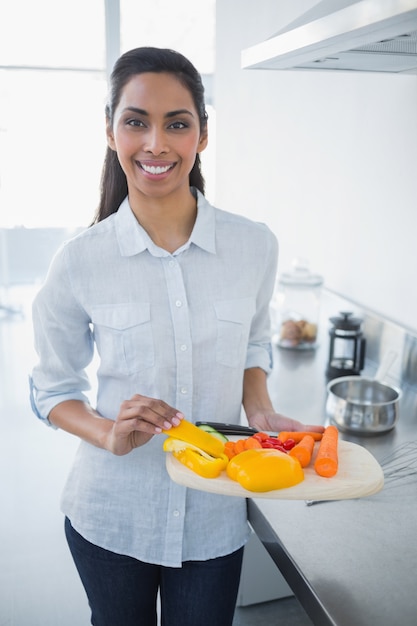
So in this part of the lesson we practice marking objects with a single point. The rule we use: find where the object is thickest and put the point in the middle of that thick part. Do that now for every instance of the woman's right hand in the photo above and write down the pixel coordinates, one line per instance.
(139, 419)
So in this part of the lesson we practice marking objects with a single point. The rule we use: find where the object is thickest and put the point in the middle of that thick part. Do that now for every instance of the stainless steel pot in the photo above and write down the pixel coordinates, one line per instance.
(363, 406)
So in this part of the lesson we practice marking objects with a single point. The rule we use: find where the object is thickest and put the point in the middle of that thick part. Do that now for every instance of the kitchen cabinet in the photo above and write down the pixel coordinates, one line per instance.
(261, 580)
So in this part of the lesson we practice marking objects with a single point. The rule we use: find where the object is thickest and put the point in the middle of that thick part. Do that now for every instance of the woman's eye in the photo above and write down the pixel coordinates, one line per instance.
(135, 123)
(178, 125)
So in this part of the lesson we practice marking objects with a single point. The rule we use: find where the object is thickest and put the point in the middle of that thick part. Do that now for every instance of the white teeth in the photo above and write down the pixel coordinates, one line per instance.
(152, 169)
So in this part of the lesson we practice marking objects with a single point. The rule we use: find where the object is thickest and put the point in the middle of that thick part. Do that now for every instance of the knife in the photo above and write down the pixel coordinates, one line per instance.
(230, 429)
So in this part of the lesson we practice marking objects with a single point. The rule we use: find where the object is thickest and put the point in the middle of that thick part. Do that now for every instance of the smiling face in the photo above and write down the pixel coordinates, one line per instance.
(156, 134)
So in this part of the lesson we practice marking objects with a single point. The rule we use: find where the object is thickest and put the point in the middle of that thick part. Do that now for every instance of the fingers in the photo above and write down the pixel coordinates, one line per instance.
(313, 428)
(299, 426)
(148, 414)
(276, 422)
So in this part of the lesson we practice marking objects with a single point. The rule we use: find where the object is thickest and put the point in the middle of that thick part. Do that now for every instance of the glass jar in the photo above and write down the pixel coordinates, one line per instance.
(295, 308)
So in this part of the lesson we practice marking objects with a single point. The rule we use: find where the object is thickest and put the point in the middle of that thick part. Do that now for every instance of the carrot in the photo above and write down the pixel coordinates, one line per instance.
(298, 435)
(229, 449)
(252, 443)
(261, 436)
(326, 463)
(239, 446)
(303, 450)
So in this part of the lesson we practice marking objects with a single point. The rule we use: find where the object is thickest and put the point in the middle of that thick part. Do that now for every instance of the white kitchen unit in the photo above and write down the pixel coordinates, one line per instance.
(261, 580)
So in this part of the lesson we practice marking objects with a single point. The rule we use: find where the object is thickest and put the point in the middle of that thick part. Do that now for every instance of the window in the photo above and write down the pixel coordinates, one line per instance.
(187, 26)
(53, 91)
(48, 33)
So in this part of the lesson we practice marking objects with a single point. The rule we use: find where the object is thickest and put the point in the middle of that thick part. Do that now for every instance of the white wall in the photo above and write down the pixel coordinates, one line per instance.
(328, 160)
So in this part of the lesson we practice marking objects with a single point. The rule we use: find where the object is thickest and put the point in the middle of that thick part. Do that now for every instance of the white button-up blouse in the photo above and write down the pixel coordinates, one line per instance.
(181, 327)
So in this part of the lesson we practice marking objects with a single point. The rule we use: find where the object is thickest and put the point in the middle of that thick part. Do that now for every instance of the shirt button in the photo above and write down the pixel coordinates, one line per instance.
(176, 513)
(178, 303)
(171, 263)
(183, 347)
(183, 390)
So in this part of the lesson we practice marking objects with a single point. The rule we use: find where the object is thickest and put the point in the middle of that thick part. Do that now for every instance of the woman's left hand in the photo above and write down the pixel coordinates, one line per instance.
(275, 422)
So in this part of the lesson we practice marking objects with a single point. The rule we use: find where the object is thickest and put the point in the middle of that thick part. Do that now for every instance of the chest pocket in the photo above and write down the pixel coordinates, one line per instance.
(124, 339)
(233, 325)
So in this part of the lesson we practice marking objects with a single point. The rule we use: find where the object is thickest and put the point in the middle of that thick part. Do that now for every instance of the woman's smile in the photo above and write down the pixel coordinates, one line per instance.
(155, 169)
(156, 133)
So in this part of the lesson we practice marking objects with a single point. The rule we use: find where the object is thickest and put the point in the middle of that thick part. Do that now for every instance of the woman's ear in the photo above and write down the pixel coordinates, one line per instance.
(110, 136)
(202, 144)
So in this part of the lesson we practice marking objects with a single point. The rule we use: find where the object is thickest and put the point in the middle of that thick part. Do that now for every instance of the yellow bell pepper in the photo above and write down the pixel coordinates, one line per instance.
(263, 470)
(196, 449)
(186, 431)
(195, 458)
(200, 465)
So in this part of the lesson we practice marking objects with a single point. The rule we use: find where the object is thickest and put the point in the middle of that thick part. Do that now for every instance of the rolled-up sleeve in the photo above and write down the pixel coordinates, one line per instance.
(63, 342)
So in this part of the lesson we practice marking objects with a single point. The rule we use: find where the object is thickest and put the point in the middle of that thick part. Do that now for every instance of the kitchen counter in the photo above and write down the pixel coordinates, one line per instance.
(349, 561)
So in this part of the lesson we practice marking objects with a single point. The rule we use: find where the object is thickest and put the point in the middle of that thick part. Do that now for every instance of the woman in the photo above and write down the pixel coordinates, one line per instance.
(174, 295)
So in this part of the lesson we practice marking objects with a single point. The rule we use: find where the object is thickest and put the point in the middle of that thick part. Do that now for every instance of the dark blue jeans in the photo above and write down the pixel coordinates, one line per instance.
(122, 591)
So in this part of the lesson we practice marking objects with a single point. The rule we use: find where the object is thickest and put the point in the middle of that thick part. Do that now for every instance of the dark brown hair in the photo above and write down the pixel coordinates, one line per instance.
(113, 188)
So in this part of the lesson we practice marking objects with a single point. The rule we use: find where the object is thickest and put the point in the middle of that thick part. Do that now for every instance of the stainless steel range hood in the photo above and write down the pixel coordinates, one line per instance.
(361, 35)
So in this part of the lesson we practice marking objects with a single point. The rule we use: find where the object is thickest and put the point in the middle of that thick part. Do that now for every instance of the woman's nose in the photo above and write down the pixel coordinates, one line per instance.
(155, 142)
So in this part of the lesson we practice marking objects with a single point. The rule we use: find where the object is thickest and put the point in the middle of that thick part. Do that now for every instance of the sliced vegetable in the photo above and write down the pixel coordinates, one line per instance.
(186, 431)
(261, 436)
(326, 463)
(198, 450)
(303, 451)
(274, 444)
(288, 444)
(261, 470)
(177, 445)
(200, 464)
(212, 431)
(298, 435)
(239, 446)
(252, 444)
(195, 458)
(235, 464)
(229, 449)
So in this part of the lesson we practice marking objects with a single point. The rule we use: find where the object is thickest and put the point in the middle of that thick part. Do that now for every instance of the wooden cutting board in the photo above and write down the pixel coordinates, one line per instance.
(359, 475)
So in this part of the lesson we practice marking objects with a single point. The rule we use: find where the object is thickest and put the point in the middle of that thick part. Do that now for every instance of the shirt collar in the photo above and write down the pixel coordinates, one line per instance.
(133, 239)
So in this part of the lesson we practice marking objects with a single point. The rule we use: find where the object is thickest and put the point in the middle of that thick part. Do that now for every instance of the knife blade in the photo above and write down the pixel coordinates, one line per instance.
(230, 429)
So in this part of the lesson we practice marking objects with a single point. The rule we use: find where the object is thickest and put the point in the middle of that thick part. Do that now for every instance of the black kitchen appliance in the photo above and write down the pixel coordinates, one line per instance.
(347, 346)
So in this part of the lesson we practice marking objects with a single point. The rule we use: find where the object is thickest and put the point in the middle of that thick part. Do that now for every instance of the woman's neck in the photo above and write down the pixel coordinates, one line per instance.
(168, 221)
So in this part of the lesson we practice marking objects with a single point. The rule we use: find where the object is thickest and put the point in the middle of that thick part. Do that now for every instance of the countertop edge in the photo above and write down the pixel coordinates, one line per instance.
(299, 584)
